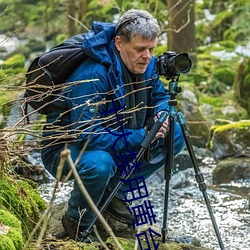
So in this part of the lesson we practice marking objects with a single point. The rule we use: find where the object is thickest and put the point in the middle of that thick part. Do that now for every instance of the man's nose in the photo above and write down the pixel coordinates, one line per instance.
(146, 54)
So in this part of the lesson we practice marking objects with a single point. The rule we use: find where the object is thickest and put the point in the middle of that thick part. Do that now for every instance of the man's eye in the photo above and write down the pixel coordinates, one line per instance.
(139, 50)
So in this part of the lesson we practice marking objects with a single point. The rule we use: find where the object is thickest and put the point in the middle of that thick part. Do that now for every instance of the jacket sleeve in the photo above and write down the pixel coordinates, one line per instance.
(87, 103)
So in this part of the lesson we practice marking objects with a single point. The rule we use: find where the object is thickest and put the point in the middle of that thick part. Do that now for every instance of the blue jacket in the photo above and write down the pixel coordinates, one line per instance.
(86, 100)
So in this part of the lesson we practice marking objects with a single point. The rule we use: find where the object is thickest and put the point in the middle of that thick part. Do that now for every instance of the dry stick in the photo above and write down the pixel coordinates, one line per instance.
(66, 154)
(99, 238)
(136, 241)
(45, 217)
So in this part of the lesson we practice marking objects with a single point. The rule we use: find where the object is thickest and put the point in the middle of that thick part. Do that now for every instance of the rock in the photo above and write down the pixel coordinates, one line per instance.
(126, 234)
(197, 125)
(181, 179)
(232, 139)
(231, 169)
(190, 96)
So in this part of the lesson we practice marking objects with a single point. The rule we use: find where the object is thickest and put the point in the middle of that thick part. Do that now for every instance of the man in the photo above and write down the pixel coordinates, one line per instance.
(109, 114)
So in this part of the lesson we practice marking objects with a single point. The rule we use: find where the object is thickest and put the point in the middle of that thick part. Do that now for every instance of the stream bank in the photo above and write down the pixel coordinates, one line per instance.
(187, 213)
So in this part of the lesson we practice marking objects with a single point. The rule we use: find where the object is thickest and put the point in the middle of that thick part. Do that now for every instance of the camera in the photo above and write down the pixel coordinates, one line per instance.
(171, 65)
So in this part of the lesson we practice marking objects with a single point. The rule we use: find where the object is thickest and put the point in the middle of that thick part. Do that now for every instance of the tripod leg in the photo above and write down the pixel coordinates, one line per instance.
(199, 176)
(168, 172)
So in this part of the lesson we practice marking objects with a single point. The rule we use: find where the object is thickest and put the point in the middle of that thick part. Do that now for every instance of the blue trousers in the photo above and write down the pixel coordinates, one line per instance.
(99, 172)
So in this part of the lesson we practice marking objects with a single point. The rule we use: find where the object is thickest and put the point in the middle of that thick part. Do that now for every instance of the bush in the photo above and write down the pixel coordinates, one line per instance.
(224, 75)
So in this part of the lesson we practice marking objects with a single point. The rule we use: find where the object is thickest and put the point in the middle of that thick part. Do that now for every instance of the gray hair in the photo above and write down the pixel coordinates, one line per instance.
(137, 22)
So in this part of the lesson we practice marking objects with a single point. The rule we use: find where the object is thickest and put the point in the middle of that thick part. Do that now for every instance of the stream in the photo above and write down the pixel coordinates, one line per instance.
(187, 212)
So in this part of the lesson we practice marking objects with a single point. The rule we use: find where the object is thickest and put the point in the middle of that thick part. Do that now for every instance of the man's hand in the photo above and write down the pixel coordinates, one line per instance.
(164, 128)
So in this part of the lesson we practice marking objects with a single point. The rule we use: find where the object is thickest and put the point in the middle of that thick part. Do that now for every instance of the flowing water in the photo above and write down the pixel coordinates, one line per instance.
(187, 212)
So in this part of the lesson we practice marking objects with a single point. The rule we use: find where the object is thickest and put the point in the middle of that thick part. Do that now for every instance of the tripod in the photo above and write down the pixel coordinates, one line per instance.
(173, 90)
(173, 114)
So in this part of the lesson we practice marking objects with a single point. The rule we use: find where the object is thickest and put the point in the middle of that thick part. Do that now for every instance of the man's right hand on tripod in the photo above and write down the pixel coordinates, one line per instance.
(164, 128)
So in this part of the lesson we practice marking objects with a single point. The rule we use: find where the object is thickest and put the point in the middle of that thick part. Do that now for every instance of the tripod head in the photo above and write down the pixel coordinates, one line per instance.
(174, 89)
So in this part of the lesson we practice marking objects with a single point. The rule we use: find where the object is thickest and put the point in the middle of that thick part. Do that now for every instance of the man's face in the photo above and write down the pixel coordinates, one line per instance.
(136, 54)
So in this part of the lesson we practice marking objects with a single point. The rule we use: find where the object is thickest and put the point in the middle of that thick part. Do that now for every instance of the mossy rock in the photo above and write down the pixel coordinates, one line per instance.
(127, 244)
(232, 139)
(11, 237)
(21, 199)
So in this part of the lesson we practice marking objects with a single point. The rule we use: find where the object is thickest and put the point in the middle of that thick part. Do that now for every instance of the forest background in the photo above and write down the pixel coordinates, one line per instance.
(214, 33)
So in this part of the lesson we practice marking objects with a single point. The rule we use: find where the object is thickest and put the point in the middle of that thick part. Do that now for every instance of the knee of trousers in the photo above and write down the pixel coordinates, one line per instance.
(179, 142)
(98, 165)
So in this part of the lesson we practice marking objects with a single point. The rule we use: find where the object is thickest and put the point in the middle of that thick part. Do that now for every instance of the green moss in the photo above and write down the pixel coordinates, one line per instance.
(239, 128)
(13, 239)
(225, 75)
(13, 71)
(16, 61)
(6, 243)
(21, 199)
(212, 100)
(125, 243)
(228, 45)
(235, 125)
(9, 219)
(16, 237)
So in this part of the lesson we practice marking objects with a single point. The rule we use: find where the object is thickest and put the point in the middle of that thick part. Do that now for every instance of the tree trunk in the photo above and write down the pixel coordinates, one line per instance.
(83, 7)
(181, 27)
(71, 6)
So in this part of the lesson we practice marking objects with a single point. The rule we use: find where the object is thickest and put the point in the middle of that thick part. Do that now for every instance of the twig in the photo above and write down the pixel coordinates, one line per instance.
(66, 154)
(99, 238)
(77, 21)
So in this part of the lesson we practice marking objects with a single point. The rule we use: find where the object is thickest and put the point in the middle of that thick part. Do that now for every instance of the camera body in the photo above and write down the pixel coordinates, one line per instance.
(171, 65)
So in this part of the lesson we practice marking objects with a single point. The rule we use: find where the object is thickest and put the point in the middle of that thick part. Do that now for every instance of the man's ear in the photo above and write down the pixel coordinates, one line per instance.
(118, 43)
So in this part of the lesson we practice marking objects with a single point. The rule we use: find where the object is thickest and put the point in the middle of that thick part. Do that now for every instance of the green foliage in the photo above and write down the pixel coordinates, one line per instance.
(214, 101)
(242, 84)
(229, 23)
(216, 67)
(224, 75)
(17, 61)
(219, 102)
(221, 23)
(12, 67)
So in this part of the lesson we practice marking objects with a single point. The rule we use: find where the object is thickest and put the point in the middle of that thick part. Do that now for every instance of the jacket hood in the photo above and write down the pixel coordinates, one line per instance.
(98, 43)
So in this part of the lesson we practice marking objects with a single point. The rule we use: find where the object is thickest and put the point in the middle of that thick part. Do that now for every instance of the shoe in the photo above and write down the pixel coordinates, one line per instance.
(75, 231)
(118, 209)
